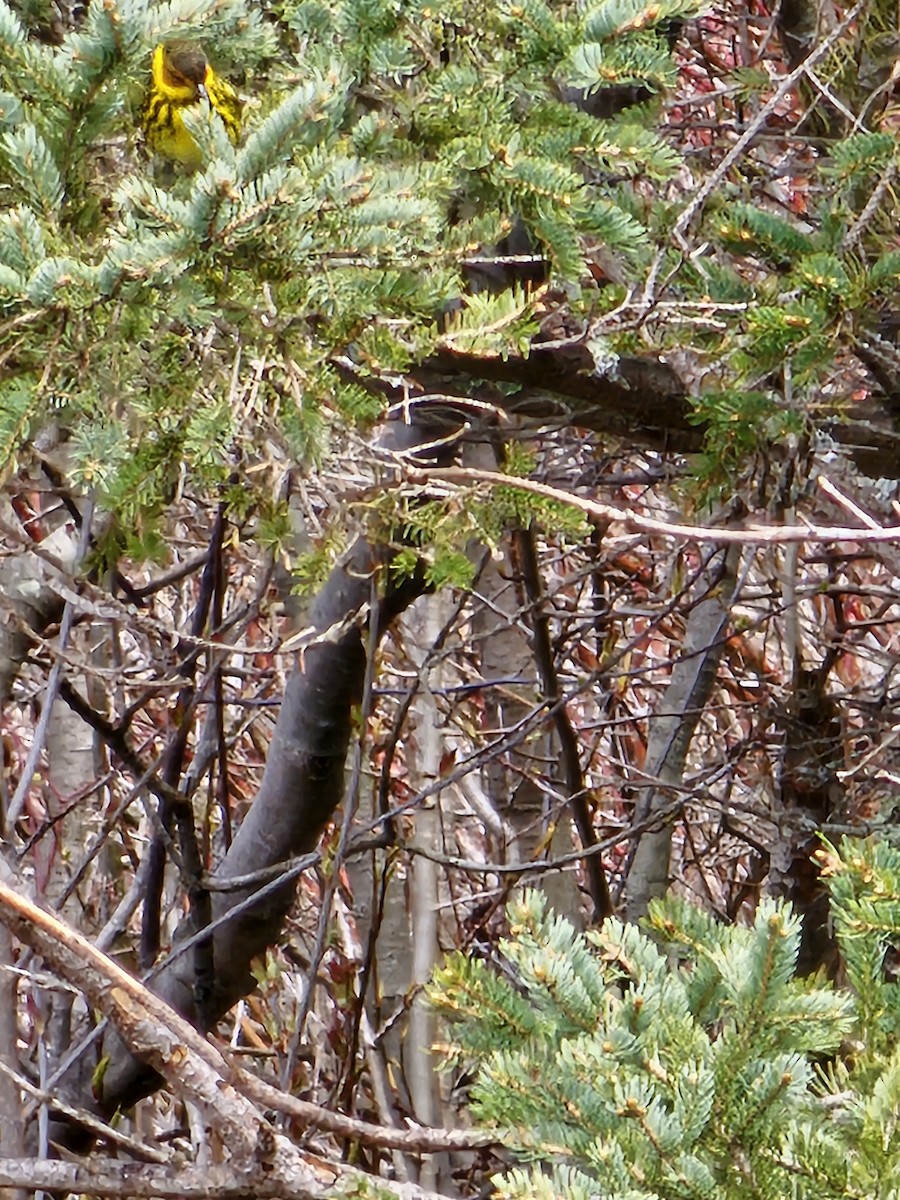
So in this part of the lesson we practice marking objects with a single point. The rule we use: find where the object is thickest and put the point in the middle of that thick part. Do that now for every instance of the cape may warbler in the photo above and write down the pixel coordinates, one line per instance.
(181, 77)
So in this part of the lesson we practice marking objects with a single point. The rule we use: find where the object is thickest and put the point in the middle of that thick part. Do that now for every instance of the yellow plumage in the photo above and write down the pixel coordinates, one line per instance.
(181, 77)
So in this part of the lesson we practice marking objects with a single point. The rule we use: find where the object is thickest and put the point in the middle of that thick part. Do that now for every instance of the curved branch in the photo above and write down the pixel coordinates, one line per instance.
(302, 785)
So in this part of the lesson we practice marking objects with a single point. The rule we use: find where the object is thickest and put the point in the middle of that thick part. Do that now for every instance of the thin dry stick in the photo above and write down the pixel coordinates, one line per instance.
(861, 224)
(134, 1146)
(751, 535)
(713, 180)
(831, 490)
(185, 1056)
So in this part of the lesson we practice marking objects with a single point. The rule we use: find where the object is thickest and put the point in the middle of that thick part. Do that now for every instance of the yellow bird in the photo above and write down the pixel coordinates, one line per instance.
(180, 78)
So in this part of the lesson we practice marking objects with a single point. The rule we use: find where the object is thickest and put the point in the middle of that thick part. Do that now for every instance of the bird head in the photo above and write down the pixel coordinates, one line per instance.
(185, 66)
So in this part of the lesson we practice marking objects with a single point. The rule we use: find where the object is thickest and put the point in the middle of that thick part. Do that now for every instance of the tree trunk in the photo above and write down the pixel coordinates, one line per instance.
(692, 682)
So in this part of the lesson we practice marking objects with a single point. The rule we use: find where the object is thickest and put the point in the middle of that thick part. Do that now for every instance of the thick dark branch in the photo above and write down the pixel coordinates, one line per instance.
(302, 786)
(642, 399)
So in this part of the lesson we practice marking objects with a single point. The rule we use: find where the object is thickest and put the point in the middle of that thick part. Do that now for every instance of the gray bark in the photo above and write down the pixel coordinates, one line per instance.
(692, 682)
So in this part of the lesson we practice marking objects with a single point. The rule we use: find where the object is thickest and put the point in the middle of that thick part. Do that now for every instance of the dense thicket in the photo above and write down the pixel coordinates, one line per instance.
(297, 683)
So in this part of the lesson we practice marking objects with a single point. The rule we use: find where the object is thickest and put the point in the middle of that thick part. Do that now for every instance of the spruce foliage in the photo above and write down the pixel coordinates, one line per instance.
(385, 143)
(389, 147)
(685, 1060)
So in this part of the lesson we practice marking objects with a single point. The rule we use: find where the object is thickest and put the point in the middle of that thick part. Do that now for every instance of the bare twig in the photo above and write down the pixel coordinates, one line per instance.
(715, 177)
(100, 1129)
(192, 1065)
(761, 535)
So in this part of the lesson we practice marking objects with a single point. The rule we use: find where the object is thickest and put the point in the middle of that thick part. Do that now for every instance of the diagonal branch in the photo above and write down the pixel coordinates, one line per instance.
(691, 685)
(750, 535)
(195, 1068)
